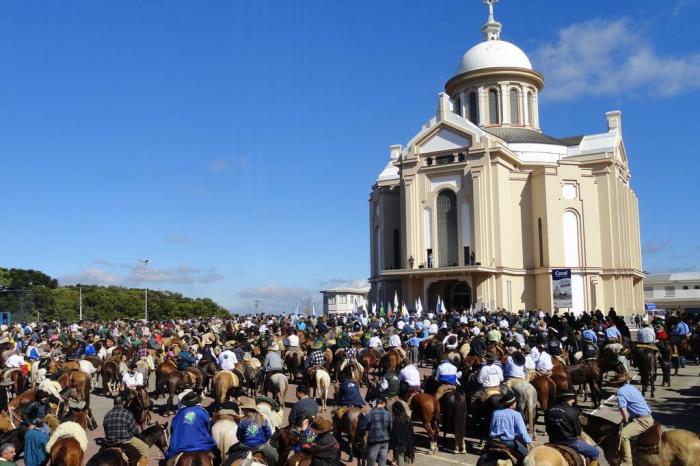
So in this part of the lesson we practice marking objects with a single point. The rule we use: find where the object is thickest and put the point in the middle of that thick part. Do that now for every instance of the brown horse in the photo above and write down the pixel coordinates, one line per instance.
(164, 369)
(175, 382)
(348, 424)
(588, 372)
(225, 384)
(391, 361)
(676, 446)
(546, 391)
(299, 459)
(138, 403)
(369, 360)
(645, 360)
(156, 435)
(109, 372)
(195, 458)
(425, 408)
(66, 452)
(79, 380)
(81, 416)
(17, 378)
(293, 362)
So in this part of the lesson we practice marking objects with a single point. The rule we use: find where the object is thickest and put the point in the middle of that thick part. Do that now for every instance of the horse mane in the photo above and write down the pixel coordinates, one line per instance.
(68, 429)
(52, 422)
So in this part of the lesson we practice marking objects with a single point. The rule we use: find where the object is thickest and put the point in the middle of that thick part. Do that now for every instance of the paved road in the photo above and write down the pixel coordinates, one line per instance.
(678, 406)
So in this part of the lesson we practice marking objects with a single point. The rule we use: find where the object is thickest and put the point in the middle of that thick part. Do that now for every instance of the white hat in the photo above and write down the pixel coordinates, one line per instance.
(475, 331)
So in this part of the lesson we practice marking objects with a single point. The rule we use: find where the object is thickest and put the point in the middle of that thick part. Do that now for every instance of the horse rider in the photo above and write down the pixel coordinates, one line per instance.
(409, 379)
(304, 408)
(253, 434)
(490, 377)
(121, 429)
(514, 369)
(190, 429)
(273, 364)
(508, 427)
(544, 361)
(679, 331)
(227, 359)
(144, 355)
(324, 449)
(554, 345)
(636, 418)
(590, 349)
(612, 333)
(348, 394)
(478, 343)
(447, 376)
(132, 380)
(450, 342)
(564, 427)
(316, 358)
(185, 358)
(292, 343)
(389, 386)
(375, 343)
(35, 409)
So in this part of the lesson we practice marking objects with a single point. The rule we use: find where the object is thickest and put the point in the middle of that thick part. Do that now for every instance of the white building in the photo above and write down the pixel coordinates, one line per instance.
(673, 291)
(341, 300)
(480, 206)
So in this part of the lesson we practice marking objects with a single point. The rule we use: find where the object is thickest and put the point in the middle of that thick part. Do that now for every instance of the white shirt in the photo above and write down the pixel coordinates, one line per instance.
(544, 363)
(375, 342)
(400, 324)
(410, 375)
(464, 319)
(513, 370)
(227, 360)
(535, 354)
(292, 340)
(262, 329)
(529, 363)
(446, 343)
(503, 324)
(490, 376)
(433, 329)
(447, 368)
(135, 380)
(395, 341)
(15, 360)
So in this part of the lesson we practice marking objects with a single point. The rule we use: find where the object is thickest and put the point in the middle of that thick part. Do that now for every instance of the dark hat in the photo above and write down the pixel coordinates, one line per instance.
(508, 399)
(490, 357)
(518, 358)
(566, 394)
(191, 398)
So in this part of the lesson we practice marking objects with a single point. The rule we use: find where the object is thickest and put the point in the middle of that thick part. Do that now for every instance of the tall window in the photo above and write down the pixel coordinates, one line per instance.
(447, 228)
(539, 239)
(571, 239)
(494, 117)
(397, 249)
(473, 109)
(458, 105)
(514, 107)
(531, 108)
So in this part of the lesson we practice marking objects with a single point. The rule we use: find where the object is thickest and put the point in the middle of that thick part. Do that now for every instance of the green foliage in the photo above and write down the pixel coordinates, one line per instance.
(28, 293)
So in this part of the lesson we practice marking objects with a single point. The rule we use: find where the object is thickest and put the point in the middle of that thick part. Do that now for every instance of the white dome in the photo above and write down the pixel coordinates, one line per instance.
(494, 54)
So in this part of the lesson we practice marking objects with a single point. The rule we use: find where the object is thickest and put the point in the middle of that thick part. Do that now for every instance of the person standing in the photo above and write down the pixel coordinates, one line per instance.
(35, 441)
(636, 418)
(377, 423)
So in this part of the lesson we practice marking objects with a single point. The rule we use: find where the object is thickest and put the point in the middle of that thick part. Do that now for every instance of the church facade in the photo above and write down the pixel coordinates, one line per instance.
(480, 205)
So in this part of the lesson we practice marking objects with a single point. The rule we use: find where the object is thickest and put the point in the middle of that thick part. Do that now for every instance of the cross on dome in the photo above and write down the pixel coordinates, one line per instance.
(492, 28)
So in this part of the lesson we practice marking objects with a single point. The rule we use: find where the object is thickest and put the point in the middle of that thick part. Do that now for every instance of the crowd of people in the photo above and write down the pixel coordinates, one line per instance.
(505, 349)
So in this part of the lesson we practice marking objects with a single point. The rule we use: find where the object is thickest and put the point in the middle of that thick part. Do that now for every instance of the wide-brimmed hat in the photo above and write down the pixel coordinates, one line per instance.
(317, 345)
(490, 357)
(248, 404)
(189, 397)
(518, 358)
(321, 425)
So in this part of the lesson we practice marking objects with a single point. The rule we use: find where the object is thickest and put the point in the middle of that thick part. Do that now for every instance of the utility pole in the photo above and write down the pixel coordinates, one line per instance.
(257, 303)
(80, 302)
(145, 263)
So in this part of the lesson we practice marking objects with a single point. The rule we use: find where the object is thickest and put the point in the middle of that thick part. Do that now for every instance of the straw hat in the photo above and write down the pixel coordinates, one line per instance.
(248, 404)
(321, 425)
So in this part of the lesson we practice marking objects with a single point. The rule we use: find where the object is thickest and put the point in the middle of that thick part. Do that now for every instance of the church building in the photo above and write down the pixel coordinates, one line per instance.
(481, 205)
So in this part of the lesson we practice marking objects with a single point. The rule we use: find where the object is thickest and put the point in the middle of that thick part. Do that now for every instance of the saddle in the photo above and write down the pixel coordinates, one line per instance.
(129, 454)
(189, 377)
(648, 441)
(502, 451)
(248, 455)
(572, 457)
(444, 388)
(648, 346)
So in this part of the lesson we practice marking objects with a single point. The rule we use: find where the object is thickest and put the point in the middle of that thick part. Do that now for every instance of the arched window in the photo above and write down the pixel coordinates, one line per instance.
(473, 109)
(458, 106)
(447, 228)
(531, 108)
(514, 107)
(571, 239)
(494, 117)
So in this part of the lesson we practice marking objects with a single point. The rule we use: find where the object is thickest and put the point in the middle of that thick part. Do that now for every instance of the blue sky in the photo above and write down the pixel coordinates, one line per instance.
(235, 143)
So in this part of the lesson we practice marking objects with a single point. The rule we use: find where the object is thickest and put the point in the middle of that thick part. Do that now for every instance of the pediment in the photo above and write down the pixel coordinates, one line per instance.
(444, 139)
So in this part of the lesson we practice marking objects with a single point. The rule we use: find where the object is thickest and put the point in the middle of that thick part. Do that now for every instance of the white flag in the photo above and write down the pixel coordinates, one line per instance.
(419, 308)
(354, 306)
(313, 310)
(374, 309)
(443, 308)
(396, 300)
(438, 307)
(404, 310)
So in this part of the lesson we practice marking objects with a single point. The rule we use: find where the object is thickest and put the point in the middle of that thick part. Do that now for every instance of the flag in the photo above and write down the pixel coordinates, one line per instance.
(374, 309)
(381, 309)
(438, 307)
(354, 306)
(396, 300)
(419, 308)
(313, 310)
(296, 311)
(443, 308)
(404, 310)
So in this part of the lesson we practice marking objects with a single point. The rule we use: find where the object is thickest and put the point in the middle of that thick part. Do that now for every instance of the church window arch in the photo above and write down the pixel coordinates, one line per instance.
(458, 105)
(514, 106)
(473, 109)
(494, 114)
(446, 208)
(531, 108)
(572, 238)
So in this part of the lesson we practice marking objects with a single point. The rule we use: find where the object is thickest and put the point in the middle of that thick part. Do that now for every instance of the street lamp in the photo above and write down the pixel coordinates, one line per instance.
(145, 264)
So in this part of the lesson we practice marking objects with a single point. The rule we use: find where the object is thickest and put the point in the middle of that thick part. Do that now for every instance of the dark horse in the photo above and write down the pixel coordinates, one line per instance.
(294, 362)
(112, 456)
(645, 360)
(591, 373)
(453, 406)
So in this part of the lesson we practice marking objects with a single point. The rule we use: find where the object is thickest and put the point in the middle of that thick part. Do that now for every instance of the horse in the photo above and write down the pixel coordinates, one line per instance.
(348, 424)
(277, 385)
(546, 391)
(676, 446)
(156, 434)
(195, 458)
(79, 380)
(369, 359)
(453, 406)
(174, 382)
(526, 397)
(247, 372)
(588, 372)
(319, 380)
(67, 445)
(138, 403)
(209, 369)
(645, 360)
(81, 416)
(293, 361)
(425, 408)
(6, 422)
(110, 377)
(225, 384)
(431, 349)
(16, 378)
(164, 369)
(223, 429)
(392, 360)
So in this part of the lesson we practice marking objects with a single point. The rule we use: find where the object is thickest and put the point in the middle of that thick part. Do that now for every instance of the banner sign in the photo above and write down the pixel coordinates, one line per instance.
(561, 286)
(650, 306)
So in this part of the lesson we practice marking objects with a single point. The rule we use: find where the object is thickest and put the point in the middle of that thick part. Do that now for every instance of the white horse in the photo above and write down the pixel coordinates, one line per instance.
(277, 384)
(323, 383)
(224, 433)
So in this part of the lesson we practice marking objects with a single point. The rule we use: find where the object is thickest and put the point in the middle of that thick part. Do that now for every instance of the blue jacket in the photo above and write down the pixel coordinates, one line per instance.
(185, 359)
(34, 443)
(90, 350)
(350, 394)
(190, 431)
(251, 434)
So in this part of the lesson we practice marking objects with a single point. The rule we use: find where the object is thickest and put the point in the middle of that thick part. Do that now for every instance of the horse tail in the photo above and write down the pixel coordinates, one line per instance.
(551, 393)
(460, 420)
(529, 460)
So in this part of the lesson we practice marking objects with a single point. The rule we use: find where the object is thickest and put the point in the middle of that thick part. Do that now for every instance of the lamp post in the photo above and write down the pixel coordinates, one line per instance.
(80, 302)
(145, 305)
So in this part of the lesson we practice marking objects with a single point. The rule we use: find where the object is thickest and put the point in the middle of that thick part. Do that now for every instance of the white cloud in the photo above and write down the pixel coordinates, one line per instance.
(277, 299)
(652, 247)
(601, 57)
(138, 275)
(345, 283)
